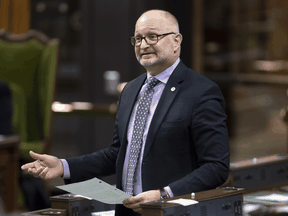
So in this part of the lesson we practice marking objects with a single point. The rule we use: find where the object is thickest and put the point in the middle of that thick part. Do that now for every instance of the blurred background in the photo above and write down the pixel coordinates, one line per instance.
(239, 44)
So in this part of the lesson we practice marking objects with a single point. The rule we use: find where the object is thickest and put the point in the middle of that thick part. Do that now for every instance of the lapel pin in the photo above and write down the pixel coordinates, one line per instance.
(173, 89)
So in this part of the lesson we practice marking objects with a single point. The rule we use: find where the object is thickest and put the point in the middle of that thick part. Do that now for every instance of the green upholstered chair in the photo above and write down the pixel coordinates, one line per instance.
(28, 64)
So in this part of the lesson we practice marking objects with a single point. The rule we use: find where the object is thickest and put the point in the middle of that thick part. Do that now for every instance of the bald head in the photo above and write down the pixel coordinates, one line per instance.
(168, 20)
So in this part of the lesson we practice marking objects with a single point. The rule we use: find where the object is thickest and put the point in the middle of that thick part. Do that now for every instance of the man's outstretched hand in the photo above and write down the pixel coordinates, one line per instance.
(44, 167)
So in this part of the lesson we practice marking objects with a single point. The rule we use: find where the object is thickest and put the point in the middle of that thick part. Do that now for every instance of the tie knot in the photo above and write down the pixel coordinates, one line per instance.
(152, 82)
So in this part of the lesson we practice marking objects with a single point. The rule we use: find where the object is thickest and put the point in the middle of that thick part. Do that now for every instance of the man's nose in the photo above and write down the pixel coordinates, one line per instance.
(144, 43)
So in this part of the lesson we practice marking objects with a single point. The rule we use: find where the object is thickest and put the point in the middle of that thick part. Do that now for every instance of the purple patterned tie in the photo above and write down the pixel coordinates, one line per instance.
(138, 130)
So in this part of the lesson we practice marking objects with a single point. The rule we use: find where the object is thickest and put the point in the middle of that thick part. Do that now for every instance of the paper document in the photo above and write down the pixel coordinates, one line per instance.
(98, 190)
(184, 202)
(104, 213)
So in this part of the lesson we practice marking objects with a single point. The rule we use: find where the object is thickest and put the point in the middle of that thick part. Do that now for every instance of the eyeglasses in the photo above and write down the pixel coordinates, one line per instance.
(150, 39)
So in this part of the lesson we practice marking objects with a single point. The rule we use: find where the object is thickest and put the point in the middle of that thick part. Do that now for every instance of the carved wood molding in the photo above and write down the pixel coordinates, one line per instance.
(24, 37)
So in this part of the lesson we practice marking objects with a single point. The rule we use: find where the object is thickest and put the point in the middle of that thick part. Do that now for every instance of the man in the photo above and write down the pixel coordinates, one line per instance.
(183, 145)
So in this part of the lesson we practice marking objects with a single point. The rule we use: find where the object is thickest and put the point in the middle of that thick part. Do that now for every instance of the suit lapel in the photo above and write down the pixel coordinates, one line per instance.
(170, 91)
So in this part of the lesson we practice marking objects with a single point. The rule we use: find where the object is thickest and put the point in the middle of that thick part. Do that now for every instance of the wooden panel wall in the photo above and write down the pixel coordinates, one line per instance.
(4, 14)
(197, 39)
(15, 15)
(277, 44)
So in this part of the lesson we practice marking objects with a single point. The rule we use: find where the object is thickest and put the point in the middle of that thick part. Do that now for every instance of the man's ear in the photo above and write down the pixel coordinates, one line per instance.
(177, 41)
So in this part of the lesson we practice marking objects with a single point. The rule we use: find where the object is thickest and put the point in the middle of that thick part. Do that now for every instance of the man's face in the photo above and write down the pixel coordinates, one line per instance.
(155, 58)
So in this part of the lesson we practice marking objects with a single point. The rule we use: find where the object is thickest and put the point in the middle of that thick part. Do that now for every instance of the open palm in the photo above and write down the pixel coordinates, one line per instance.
(44, 167)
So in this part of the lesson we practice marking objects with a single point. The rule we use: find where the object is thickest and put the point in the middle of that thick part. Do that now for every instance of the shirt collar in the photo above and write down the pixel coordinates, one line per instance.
(164, 75)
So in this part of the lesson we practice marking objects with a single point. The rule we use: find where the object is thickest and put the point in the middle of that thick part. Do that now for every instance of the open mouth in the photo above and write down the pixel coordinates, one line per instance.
(147, 55)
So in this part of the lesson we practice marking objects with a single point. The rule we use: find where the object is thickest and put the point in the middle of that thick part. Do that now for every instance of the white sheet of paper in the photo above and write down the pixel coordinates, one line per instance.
(104, 213)
(98, 190)
(184, 202)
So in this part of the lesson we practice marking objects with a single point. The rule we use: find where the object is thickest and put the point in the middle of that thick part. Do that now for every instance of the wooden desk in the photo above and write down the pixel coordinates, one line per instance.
(9, 171)
(257, 174)
(219, 200)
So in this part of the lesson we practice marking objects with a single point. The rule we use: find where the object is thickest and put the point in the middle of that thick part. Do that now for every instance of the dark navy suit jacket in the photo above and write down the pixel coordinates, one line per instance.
(187, 144)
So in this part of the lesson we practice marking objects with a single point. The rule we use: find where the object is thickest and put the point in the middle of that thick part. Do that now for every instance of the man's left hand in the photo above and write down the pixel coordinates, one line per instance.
(135, 201)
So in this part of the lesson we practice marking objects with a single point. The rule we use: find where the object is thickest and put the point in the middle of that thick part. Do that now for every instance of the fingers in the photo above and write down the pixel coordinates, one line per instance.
(39, 168)
(36, 171)
(43, 174)
(27, 166)
(36, 156)
(128, 201)
(133, 202)
(35, 164)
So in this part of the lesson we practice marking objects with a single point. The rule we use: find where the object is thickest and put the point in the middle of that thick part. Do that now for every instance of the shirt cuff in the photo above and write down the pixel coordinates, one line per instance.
(66, 169)
(169, 191)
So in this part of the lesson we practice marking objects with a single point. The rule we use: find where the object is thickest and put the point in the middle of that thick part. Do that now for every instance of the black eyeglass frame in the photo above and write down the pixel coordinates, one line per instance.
(133, 38)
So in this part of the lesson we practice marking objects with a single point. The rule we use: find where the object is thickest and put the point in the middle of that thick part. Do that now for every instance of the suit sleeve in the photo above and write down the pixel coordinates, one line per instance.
(210, 140)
